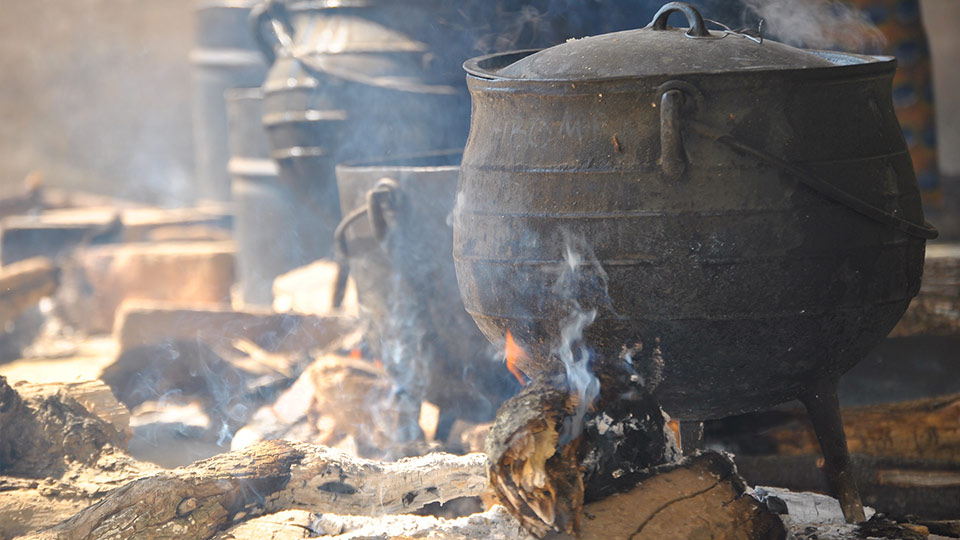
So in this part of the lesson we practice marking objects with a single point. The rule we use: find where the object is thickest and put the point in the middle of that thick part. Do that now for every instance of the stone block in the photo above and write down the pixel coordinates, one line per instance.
(144, 323)
(100, 278)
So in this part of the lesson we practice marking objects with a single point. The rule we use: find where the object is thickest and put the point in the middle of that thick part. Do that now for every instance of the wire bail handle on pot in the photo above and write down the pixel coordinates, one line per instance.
(281, 31)
(674, 96)
(386, 196)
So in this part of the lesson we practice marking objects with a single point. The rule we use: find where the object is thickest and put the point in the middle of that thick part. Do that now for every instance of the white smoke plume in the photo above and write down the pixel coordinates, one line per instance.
(818, 24)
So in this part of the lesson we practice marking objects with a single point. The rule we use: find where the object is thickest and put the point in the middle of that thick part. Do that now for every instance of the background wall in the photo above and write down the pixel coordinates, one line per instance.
(96, 94)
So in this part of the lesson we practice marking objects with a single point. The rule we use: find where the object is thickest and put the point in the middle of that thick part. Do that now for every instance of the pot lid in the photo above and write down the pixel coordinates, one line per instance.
(659, 49)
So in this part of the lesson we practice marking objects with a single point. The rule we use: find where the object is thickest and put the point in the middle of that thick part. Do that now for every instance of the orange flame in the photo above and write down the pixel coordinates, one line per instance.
(513, 353)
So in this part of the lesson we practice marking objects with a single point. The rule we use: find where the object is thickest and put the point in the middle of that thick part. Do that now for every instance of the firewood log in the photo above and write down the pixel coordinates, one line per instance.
(701, 497)
(494, 524)
(195, 502)
(543, 467)
(61, 449)
(920, 430)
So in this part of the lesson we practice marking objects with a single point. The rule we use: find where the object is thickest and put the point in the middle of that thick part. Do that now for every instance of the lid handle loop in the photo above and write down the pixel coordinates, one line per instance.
(697, 27)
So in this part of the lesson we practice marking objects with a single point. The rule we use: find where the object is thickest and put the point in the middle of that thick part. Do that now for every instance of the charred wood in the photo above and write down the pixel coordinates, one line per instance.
(544, 467)
(61, 449)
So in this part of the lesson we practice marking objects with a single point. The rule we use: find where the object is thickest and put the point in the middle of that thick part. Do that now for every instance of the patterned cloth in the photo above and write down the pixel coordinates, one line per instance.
(900, 23)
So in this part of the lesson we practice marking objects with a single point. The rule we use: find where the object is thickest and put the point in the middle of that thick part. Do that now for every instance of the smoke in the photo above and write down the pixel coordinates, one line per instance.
(581, 278)
(818, 24)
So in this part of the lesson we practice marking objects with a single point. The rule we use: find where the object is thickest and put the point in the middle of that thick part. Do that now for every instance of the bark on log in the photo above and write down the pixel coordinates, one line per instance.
(549, 453)
(44, 433)
(196, 502)
(61, 448)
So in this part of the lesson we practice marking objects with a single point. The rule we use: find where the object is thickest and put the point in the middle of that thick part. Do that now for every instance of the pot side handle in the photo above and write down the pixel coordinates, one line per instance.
(673, 161)
(385, 195)
(697, 27)
(280, 33)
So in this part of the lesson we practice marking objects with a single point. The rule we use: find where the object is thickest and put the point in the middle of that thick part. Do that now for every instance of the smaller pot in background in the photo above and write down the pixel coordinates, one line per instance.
(398, 242)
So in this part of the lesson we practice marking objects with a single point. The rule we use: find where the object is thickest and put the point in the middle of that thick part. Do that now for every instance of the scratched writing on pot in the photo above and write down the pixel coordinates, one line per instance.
(547, 127)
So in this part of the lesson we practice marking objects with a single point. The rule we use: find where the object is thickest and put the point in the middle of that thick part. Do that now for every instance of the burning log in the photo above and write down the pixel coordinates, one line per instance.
(197, 501)
(699, 497)
(550, 453)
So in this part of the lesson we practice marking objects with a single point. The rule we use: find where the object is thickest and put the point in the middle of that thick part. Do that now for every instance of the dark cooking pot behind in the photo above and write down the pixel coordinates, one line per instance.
(397, 238)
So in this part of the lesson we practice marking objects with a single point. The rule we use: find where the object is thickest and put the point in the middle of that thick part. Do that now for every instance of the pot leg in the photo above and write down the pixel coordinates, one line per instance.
(824, 410)
(691, 437)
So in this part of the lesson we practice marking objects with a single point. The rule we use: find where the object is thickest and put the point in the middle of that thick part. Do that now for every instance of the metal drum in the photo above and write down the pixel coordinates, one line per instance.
(264, 224)
(397, 238)
(225, 56)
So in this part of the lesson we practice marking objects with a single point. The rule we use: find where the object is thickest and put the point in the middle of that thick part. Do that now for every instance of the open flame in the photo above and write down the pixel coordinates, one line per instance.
(512, 353)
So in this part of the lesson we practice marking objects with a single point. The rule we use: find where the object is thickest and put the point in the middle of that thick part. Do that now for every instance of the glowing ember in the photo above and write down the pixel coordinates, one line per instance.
(514, 352)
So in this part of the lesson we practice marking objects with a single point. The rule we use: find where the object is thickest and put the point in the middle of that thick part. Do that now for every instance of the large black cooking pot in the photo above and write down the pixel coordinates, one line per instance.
(753, 206)
(397, 239)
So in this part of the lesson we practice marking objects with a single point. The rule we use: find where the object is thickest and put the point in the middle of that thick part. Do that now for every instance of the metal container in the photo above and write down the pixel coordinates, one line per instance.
(224, 56)
(364, 78)
(753, 206)
(265, 225)
(398, 241)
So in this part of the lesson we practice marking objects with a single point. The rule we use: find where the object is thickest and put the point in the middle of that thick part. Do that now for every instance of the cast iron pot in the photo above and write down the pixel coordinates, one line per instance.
(753, 205)
(397, 241)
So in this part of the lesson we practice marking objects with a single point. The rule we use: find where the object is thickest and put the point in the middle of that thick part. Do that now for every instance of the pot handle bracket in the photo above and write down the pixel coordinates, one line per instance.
(385, 195)
(672, 98)
(280, 33)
